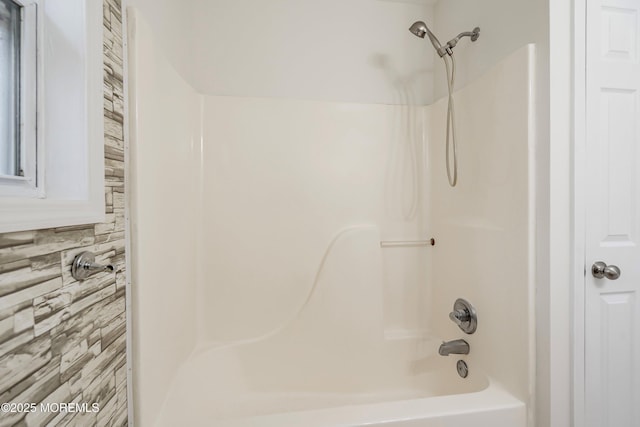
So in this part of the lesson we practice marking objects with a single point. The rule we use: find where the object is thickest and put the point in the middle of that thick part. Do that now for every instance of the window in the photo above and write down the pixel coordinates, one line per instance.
(18, 145)
(51, 114)
(9, 88)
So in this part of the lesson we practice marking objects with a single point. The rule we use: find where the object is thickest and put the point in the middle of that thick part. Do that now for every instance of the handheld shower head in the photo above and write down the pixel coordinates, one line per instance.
(420, 29)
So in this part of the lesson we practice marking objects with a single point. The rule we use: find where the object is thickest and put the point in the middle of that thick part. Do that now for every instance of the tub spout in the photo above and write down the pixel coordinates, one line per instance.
(454, 347)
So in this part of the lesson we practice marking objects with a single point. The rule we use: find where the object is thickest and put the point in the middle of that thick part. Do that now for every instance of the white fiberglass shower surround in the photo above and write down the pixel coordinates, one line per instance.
(283, 268)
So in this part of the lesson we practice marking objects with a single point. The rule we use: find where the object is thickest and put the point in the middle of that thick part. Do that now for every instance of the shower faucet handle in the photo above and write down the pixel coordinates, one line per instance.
(464, 315)
(459, 316)
(85, 265)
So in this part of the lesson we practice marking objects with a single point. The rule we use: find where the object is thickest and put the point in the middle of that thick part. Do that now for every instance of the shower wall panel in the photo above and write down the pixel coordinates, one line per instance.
(282, 179)
(164, 210)
(484, 226)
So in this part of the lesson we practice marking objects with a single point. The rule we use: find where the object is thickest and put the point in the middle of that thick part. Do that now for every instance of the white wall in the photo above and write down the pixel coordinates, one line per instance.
(164, 131)
(484, 226)
(171, 24)
(505, 26)
(334, 50)
(561, 251)
(356, 51)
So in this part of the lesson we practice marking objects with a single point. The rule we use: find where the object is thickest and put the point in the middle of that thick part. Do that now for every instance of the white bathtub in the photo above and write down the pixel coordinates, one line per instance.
(492, 407)
(229, 387)
(334, 364)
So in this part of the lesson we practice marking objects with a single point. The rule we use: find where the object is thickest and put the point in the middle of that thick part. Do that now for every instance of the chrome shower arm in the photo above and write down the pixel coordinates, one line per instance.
(473, 35)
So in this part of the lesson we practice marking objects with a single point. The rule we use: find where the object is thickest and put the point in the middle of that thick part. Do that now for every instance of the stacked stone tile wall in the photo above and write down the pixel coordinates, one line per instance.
(62, 341)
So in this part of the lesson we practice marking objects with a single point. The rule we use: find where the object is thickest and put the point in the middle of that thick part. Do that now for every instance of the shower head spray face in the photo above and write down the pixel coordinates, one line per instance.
(418, 29)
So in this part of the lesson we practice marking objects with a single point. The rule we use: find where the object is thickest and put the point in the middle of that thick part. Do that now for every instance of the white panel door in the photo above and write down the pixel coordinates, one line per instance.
(612, 312)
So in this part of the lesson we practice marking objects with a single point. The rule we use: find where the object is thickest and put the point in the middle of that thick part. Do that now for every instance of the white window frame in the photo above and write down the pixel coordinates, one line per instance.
(27, 184)
(63, 181)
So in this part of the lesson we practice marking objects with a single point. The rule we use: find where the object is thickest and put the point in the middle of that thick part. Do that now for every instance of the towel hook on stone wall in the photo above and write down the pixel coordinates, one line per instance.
(84, 265)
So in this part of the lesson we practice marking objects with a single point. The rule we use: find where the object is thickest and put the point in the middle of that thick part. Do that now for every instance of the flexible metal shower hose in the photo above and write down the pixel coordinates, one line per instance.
(451, 123)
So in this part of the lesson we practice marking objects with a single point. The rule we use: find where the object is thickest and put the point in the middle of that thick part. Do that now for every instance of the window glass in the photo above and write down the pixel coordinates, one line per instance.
(9, 88)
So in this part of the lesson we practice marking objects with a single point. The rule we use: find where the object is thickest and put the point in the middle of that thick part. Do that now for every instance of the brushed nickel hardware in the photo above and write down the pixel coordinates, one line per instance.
(462, 368)
(84, 265)
(464, 315)
(601, 270)
(420, 29)
(453, 347)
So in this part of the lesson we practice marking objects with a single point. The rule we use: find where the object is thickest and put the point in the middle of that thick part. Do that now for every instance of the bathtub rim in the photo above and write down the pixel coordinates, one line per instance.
(493, 398)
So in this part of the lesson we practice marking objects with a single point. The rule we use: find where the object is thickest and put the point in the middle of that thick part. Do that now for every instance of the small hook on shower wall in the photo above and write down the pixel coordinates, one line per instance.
(84, 265)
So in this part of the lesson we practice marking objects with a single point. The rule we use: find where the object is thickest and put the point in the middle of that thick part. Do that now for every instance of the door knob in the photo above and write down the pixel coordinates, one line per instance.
(600, 270)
